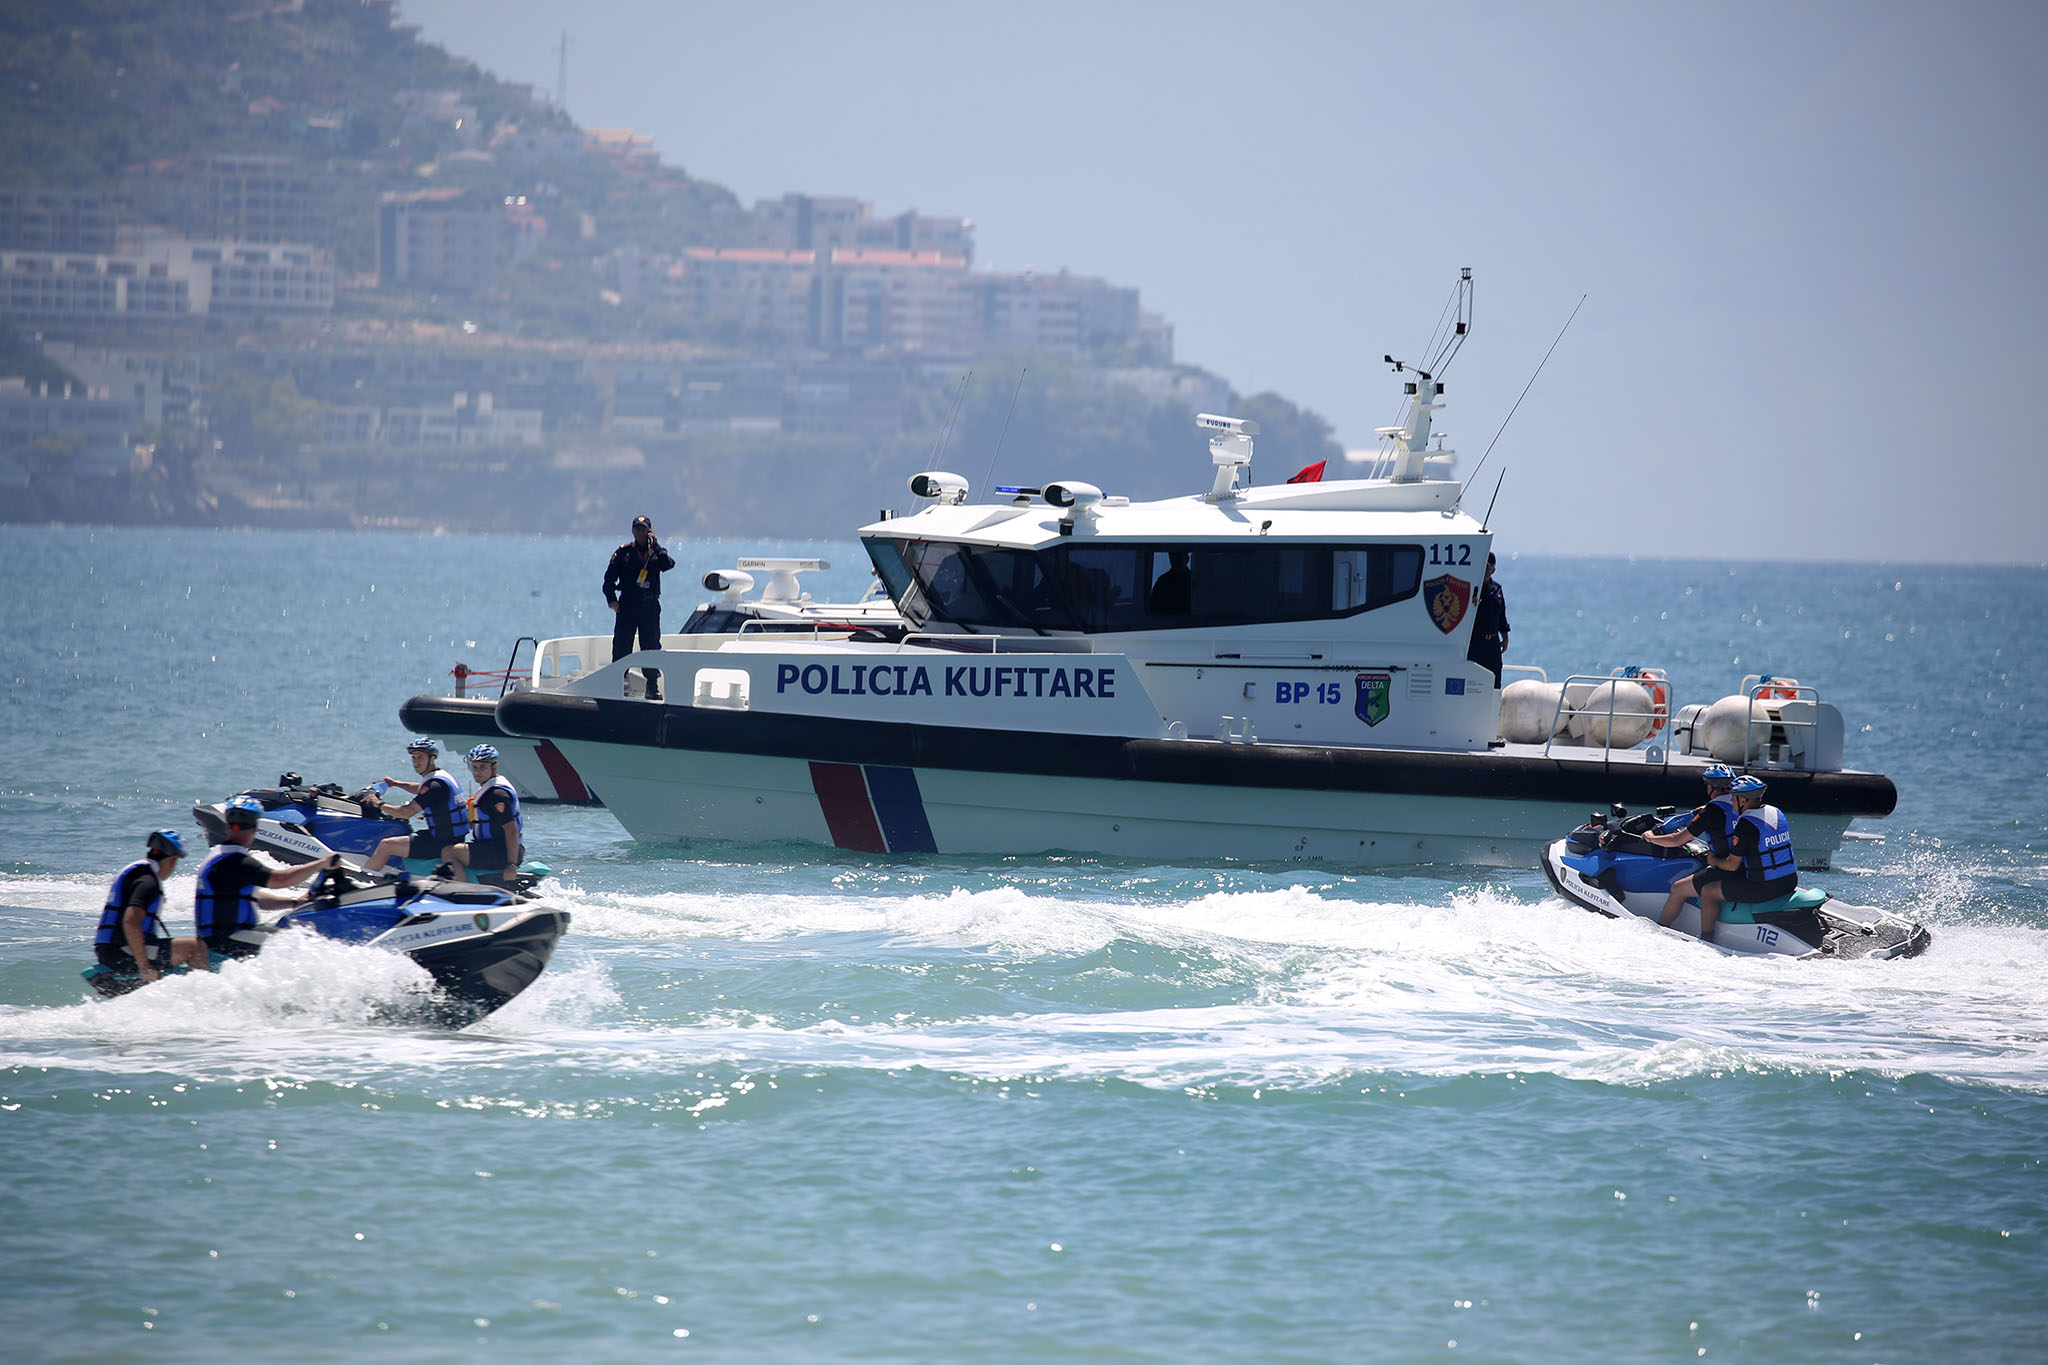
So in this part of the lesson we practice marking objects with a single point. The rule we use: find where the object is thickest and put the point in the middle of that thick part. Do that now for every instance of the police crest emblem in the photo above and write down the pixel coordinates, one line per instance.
(1375, 693)
(1447, 598)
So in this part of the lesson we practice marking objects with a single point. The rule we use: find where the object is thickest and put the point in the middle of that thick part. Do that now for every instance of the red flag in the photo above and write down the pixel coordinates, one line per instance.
(1313, 474)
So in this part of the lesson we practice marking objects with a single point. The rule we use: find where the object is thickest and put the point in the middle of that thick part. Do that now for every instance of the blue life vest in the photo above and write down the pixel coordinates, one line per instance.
(1724, 807)
(109, 932)
(481, 831)
(1773, 846)
(219, 915)
(441, 806)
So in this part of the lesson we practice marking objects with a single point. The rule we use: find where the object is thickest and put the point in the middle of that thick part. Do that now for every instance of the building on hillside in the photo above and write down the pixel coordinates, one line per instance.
(518, 142)
(461, 422)
(1069, 314)
(762, 292)
(629, 150)
(441, 109)
(803, 222)
(235, 196)
(163, 284)
(438, 239)
(526, 227)
(164, 385)
(42, 219)
(48, 431)
(909, 302)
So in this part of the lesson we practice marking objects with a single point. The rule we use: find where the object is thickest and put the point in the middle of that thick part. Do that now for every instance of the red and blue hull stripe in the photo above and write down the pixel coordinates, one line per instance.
(873, 807)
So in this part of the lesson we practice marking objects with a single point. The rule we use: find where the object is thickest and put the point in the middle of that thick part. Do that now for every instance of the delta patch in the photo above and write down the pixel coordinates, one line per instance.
(1447, 598)
(1375, 691)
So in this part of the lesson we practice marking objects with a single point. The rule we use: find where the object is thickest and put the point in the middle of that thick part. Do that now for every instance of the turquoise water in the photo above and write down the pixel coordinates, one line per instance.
(774, 1102)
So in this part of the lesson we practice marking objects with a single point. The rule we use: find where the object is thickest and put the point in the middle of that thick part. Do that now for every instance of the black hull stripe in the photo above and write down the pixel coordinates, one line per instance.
(544, 715)
(451, 716)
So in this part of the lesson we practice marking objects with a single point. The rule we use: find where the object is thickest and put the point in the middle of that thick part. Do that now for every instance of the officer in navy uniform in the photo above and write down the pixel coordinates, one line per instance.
(632, 589)
(131, 939)
(1490, 626)
(234, 881)
(437, 796)
(1712, 822)
(496, 831)
(1759, 864)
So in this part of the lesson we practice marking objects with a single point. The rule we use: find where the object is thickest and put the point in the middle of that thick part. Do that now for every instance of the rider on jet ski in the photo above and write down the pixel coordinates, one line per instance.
(1712, 822)
(131, 939)
(495, 828)
(1755, 865)
(437, 796)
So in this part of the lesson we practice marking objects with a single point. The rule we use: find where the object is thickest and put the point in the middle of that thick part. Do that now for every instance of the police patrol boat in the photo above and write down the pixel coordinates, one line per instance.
(1259, 671)
(303, 823)
(482, 945)
(543, 775)
(1606, 866)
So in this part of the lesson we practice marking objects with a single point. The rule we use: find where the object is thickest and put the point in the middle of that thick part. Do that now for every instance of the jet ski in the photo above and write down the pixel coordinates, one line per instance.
(303, 823)
(1606, 866)
(482, 945)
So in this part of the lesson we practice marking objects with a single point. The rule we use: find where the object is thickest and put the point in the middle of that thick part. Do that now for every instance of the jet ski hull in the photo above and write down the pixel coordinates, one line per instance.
(481, 945)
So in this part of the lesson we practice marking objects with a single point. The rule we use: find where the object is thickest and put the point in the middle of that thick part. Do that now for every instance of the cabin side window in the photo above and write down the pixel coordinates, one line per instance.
(1373, 576)
(1101, 588)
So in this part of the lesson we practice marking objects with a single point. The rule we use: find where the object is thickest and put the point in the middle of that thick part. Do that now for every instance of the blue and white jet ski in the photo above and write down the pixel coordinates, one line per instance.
(304, 823)
(1606, 866)
(481, 944)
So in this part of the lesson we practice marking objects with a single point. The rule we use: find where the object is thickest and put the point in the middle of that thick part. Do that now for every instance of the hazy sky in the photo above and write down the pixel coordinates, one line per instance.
(1810, 234)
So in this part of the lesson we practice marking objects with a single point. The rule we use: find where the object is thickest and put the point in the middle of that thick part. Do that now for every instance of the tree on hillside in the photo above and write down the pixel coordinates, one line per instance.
(262, 422)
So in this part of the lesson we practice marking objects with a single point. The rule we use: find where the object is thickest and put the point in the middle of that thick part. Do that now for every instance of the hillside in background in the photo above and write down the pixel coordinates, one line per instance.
(585, 361)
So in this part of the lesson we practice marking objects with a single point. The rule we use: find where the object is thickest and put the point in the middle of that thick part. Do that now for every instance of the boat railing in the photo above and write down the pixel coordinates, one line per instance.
(480, 679)
(998, 644)
(1775, 739)
(1590, 697)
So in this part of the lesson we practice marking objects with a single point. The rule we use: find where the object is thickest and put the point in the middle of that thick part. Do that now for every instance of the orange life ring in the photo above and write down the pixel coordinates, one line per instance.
(1778, 689)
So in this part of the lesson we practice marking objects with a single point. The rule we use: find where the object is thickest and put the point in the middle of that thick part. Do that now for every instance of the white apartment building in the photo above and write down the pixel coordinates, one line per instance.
(165, 282)
(438, 239)
(800, 222)
(761, 290)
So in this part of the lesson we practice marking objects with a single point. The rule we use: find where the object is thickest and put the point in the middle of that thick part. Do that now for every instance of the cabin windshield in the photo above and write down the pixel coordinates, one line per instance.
(1098, 587)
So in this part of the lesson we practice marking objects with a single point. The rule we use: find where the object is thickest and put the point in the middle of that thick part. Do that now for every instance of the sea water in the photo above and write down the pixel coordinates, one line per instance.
(783, 1102)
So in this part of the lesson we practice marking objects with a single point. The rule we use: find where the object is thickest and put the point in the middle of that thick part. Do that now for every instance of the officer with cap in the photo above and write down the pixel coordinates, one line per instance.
(234, 881)
(632, 589)
(131, 939)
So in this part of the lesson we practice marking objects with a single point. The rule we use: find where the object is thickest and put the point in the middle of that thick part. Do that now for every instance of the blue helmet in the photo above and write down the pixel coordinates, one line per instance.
(424, 745)
(1747, 785)
(1718, 772)
(166, 843)
(243, 812)
(483, 753)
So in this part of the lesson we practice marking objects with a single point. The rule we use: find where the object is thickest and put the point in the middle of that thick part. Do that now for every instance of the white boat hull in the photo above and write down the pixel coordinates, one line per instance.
(665, 795)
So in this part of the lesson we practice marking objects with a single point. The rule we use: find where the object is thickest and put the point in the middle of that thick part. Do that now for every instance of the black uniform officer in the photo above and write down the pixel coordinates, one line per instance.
(632, 588)
(1490, 626)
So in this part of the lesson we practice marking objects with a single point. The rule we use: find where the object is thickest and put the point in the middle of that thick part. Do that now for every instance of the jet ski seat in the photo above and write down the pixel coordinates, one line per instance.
(1804, 898)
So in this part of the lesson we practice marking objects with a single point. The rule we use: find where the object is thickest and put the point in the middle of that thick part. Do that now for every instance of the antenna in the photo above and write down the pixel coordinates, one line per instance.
(1006, 427)
(1518, 404)
(946, 432)
(1494, 499)
(562, 74)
